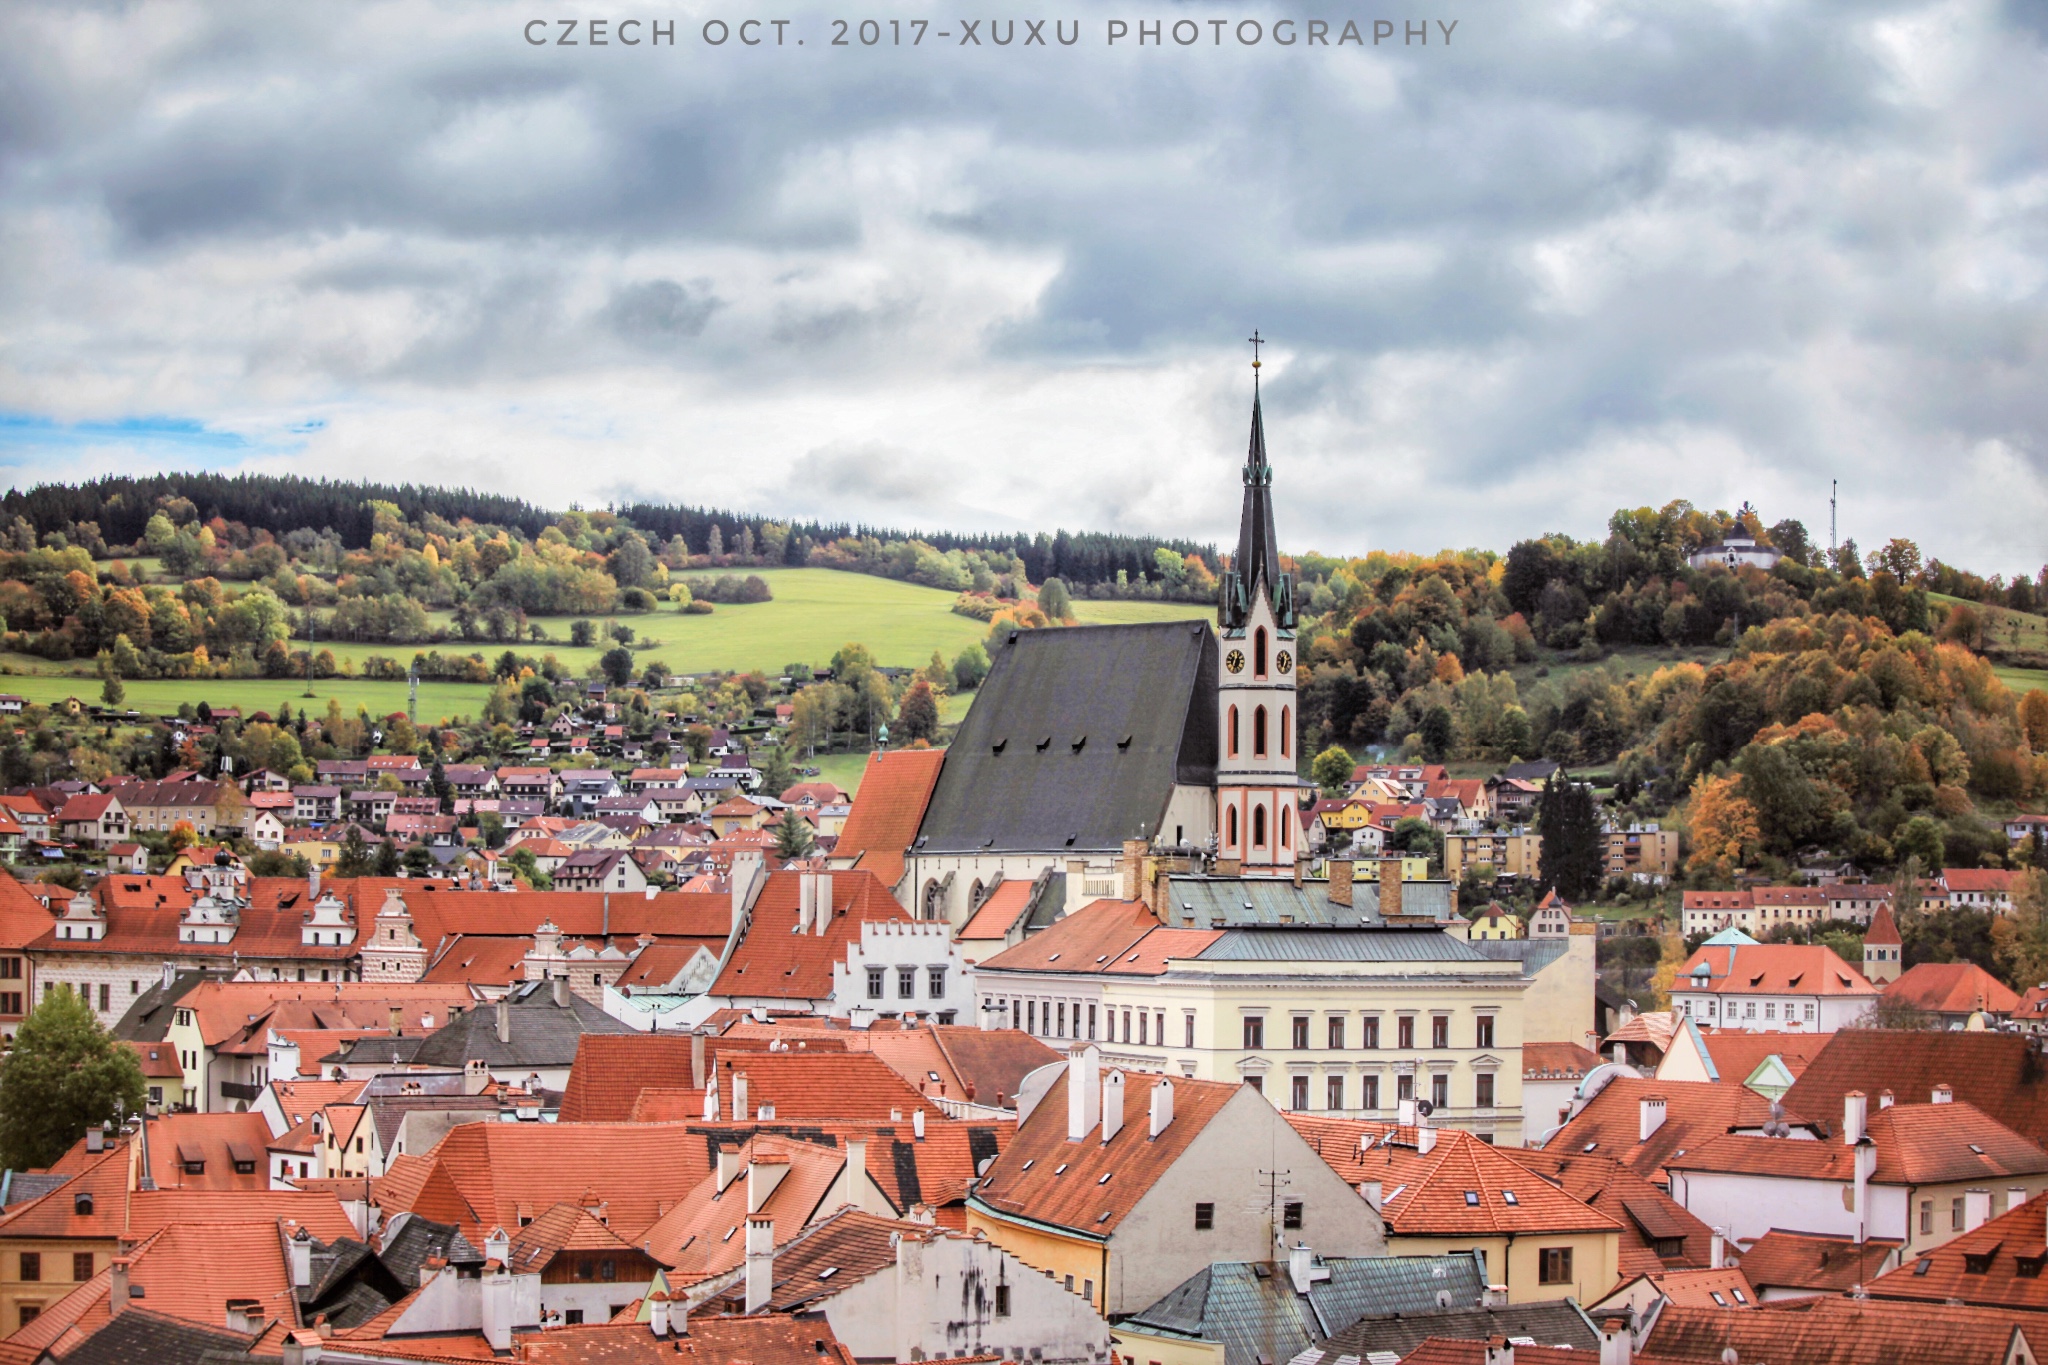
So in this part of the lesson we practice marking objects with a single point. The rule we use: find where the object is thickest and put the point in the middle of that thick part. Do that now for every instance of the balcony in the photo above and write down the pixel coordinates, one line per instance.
(240, 1090)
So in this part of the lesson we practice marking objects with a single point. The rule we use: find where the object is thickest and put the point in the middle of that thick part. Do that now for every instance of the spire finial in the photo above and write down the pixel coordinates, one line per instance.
(1256, 342)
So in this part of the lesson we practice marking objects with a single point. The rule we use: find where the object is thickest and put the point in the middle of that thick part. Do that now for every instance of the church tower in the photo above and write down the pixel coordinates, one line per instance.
(1257, 819)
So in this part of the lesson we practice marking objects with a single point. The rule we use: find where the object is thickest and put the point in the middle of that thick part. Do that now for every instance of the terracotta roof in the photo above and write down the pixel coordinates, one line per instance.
(23, 918)
(705, 1233)
(992, 1063)
(1770, 969)
(1836, 1331)
(1951, 988)
(1997, 1265)
(1737, 1055)
(227, 1010)
(887, 809)
(86, 806)
(1656, 1028)
(1556, 1061)
(1815, 1263)
(1647, 1216)
(819, 1085)
(1091, 1185)
(658, 964)
(487, 1175)
(846, 1247)
(1993, 1071)
(1461, 1187)
(1465, 1351)
(1991, 880)
(757, 1340)
(159, 1060)
(270, 925)
(1917, 1144)
(478, 960)
(565, 1227)
(1091, 937)
(1695, 1112)
(1883, 930)
(998, 914)
(773, 961)
(215, 1142)
(1699, 1287)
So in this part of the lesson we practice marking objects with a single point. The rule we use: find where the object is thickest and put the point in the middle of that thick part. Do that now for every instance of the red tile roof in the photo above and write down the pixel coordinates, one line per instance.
(888, 808)
(1461, 1187)
(215, 1142)
(1095, 935)
(1814, 1263)
(819, 1085)
(1834, 1331)
(1647, 1216)
(1556, 1061)
(1990, 880)
(565, 1227)
(1951, 988)
(1998, 1265)
(1737, 1055)
(1993, 1071)
(992, 1063)
(774, 962)
(23, 918)
(1695, 1112)
(705, 1233)
(1771, 969)
(1091, 1185)
(998, 914)
(762, 1339)
(1917, 1144)
(1884, 930)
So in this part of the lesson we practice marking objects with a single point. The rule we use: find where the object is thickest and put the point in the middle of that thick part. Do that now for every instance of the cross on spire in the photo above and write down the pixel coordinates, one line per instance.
(1256, 342)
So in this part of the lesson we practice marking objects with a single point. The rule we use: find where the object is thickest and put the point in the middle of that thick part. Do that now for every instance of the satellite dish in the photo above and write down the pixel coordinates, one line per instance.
(1424, 1108)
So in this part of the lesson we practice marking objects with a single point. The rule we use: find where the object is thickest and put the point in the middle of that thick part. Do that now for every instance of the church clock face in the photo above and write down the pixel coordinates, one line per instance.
(1235, 661)
(1285, 662)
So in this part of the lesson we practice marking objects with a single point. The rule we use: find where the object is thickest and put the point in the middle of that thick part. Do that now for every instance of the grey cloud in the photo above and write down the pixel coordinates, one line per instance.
(661, 314)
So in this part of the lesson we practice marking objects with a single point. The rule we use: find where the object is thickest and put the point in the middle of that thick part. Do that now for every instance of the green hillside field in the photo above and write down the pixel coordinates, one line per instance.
(438, 701)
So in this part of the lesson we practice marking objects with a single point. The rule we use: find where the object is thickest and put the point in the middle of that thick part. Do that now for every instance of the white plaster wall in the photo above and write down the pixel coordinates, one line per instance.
(939, 1301)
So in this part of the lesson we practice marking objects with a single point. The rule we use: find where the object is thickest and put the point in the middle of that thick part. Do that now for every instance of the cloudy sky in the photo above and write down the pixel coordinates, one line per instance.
(1590, 253)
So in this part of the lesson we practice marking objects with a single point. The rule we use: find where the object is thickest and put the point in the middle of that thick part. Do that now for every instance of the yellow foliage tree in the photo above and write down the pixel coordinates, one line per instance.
(1724, 826)
(2020, 940)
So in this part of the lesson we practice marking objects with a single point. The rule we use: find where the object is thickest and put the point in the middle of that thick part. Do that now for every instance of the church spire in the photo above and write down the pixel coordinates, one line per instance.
(1255, 568)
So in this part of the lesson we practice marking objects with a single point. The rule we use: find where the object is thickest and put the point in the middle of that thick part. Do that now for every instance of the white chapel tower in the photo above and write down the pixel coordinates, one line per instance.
(1256, 783)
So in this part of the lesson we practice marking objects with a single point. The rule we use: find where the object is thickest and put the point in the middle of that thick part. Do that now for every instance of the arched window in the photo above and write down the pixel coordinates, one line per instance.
(1259, 732)
(1258, 826)
(1231, 822)
(1286, 828)
(1286, 732)
(1259, 653)
(934, 901)
(1233, 732)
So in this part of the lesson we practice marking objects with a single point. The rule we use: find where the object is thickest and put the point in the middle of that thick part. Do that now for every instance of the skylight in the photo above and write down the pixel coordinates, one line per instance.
(1105, 1177)
(1589, 1147)
(1060, 1169)
(1975, 1148)
(1509, 1196)
(1472, 1199)
(828, 1272)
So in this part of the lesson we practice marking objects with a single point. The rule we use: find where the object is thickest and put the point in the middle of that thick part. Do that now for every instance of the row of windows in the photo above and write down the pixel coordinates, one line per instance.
(1259, 742)
(906, 983)
(1747, 1009)
(1336, 1091)
(1258, 826)
(30, 1269)
(1336, 1028)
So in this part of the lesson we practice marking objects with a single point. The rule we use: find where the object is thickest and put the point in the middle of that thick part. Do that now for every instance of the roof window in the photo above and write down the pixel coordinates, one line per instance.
(828, 1272)
(1060, 1169)
(1471, 1199)
(1508, 1196)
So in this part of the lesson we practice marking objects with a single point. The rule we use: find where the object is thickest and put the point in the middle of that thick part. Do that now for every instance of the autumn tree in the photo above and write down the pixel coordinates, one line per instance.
(2020, 939)
(918, 717)
(65, 1074)
(1332, 769)
(1724, 827)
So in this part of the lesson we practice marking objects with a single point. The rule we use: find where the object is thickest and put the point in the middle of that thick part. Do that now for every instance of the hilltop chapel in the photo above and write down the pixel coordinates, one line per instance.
(1085, 739)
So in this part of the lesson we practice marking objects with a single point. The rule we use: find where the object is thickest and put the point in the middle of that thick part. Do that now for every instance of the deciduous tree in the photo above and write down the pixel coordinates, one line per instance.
(65, 1074)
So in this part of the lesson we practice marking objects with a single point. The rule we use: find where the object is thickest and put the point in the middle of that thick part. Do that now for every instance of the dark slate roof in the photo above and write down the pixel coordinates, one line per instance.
(1338, 945)
(1077, 738)
(1254, 1311)
(1235, 902)
(543, 1033)
(149, 1017)
(1556, 1323)
(382, 1049)
(1535, 770)
(20, 1187)
(1256, 565)
(406, 1248)
(140, 1337)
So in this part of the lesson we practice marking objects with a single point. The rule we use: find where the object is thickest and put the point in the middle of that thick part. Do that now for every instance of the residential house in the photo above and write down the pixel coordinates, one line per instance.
(1551, 918)
(1642, 1123)
(1917, 1173)
(94, 819)
(1122, 1211)
(1842, 1331)
(1996, 1072)
(1953, 994)
(531, 784)
(471, 781)
(162, 806)
(1980, 888)
(1996, 1264)
(1506, 855)
(316, 804)
(640, 780)
(583, 788)
(1495, 923)
(1642, 853)
(1732, 981)
(1857, 902)
(607, 869)
(127, 858)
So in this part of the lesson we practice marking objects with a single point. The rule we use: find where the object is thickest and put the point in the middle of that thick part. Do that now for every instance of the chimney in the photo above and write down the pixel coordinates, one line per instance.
(1976, 1209)
(1404, 1113)
(764, 1174)
(312, 884)
(96, 1139)
(917, 1123)
(696, 1061)
(1717, 1249)
(1866, 1166)
(1498, 1351)
(760, 1262)
(1944, 1094)
(1855, 1117)
(857, 1172)
(561, 988)
(1651, 1117)
(739, 1097)
(1495, 1296)
(1083, 1098)
(397, 1020)
(745, 873)
(806, 900)
(711, 1100)
(1300, 1262)
(1162, 1106)
(657, 1312)
(1131, 870)
(302, 1259)
(1112, 1104)
(1616, 1345)
(2014, 1197)
(1390, 887)
(1885, 1099)
(170, 975)
(1297, 874)
(1340, 881)
(1371, 1191)
(117, 1286)
(300, 1348)
(822, 919)
(1425, 1140)
(504, 1018)
(729, 1166)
